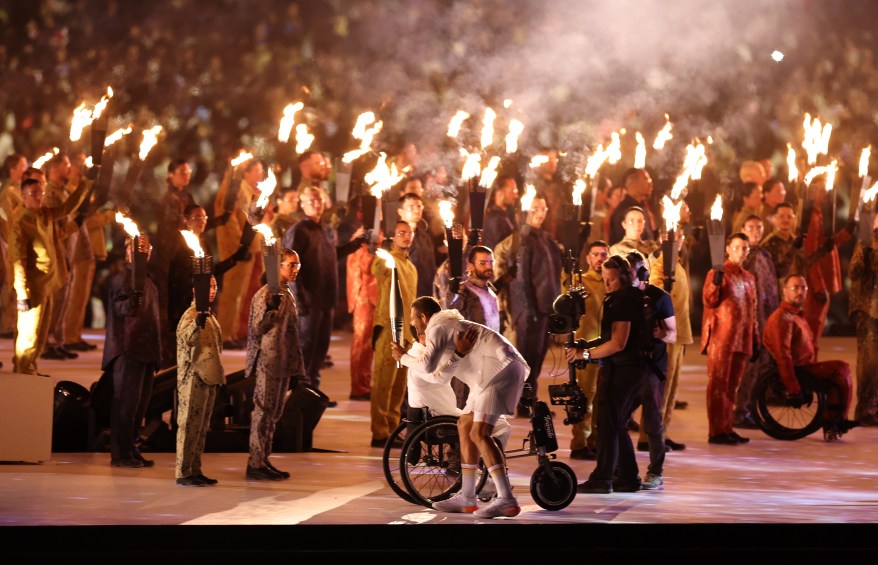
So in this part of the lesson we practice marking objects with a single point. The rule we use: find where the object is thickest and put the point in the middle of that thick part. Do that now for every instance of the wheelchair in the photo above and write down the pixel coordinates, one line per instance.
(782, 419)
(428, 468)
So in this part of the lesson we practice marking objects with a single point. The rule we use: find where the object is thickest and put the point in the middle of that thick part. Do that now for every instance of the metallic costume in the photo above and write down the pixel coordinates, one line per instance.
(388, 381)
(362, 292)
(788, 338)
(199, 375)
(864, 314)
(728, 331)
(273, 357)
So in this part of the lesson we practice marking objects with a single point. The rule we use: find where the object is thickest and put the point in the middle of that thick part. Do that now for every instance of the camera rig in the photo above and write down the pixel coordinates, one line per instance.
(568, 309)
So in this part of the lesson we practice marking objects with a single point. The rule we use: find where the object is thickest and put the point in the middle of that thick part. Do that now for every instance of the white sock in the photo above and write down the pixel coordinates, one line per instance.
(501, 481)
(468, 480)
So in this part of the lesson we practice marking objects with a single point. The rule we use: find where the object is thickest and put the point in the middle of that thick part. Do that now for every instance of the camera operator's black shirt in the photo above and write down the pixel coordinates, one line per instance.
(663, 308)
(625, 305)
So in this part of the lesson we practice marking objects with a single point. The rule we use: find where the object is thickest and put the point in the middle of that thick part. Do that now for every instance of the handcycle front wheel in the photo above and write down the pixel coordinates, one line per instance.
(429, 463)
(555, 489)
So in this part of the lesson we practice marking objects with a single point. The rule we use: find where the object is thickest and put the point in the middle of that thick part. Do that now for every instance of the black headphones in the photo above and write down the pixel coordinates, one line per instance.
(643, 273)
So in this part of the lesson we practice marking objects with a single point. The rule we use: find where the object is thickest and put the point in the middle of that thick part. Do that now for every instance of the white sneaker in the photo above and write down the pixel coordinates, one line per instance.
(500, 507)
(457, 503)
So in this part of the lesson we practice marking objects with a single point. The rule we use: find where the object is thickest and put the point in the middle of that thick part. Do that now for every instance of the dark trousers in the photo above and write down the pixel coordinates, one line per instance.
(315, 330)
(652, 393)
(619, 388)
(533, 343)
(132, 391)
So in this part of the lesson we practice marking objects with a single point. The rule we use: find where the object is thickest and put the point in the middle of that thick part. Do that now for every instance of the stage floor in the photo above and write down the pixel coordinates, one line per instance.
(805, 482)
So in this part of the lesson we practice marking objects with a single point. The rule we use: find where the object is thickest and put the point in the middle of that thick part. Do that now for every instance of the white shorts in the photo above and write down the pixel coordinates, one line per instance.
(500, 395)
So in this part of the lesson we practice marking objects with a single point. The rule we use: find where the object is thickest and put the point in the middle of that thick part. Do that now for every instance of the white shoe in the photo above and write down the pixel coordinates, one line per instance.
(500, 507)
(457, 503)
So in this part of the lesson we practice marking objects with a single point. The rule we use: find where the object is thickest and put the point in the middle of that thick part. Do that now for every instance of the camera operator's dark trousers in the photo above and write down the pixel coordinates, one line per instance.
(652, 394)
(533, 343)
(132, 391)
(315, 331)
(619, 389)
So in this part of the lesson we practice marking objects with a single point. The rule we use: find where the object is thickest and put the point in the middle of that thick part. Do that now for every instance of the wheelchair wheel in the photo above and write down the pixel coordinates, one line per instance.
(555, 490)
(392, 472)
(778, 418)
(430, 461)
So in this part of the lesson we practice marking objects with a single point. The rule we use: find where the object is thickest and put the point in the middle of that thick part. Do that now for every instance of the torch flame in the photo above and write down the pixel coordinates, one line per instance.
(446, 213)
(671, 213)
(640, 152)
(303, 138)
(830, 175)
(471, 164)
(488, 127)
(538, 160)
(693, 164)
(102, 104)
(117, 135)
(827, 170)
(243, 157)
(595, 161)
(456, 122)
(382, 177)
(869, 195)
(81, 118)
(149, 140)
(816, 140)
(578, 189)
(515, 129)
(287, 121)
(716, 211)
(127, 224)
(791, 164)
(489, 173)
(89, 162)
(529, 193)
(192, 242)
(364, 134)
(614, 149)
(266, 233)
(266, 188)
(664, 135)
(43, 159)
(864, 161)
(386, 257)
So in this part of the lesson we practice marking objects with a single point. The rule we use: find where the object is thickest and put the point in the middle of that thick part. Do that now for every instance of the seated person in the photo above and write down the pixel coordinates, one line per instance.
(788, 338)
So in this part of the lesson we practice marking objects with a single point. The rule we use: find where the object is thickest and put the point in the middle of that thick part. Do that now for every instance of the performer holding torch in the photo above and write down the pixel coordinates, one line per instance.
(397, 281)
(729, 334)
(132, 349)
(199, 369)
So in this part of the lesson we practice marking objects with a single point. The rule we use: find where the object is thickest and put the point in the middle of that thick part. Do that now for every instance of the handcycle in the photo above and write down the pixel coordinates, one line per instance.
(780, 417)
(427, 468)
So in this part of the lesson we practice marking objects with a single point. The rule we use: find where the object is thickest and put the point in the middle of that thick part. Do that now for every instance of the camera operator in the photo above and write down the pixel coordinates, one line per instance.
(584, 433)
(623, 369)
(664, 331)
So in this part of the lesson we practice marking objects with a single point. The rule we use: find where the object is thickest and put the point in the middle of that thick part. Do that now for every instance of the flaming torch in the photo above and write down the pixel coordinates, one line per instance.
(456, 122)
(381, 179)
(266, 189)
(867, 214)
(515, 129)
(202, 266)
(270, 257)
(100, 118)
(640, 152)
(395, 302)
(865, 227)
(664, 135)
(454, 238)
(150, 138)
(716, 233)
(286, 122)
(43, 159)
(140, 251)
(671, 214)
(235, 176)
(304, 139)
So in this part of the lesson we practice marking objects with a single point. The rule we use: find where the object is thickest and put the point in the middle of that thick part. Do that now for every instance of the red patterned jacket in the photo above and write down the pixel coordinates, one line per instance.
(790, 341)
(730, 310)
